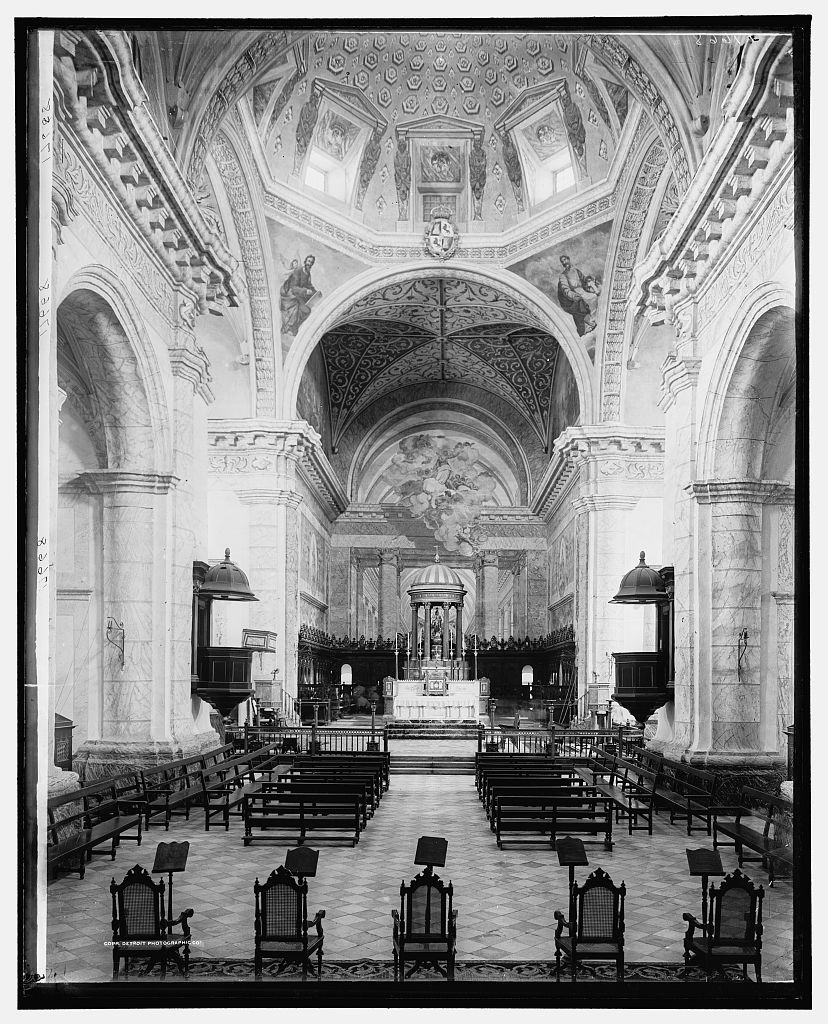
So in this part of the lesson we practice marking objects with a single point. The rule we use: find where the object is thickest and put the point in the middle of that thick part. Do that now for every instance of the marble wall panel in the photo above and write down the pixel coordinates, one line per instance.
(735, 736)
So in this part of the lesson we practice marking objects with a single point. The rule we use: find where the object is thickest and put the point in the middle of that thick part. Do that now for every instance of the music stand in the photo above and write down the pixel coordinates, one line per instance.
(571, 854)
(705, 863)
(170, 858)
(302, 862)
(431, 851)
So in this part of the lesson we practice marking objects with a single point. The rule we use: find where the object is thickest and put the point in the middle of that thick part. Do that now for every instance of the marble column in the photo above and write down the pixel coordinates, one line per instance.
(519, 597)
(427, 630)
(489, 608)
(287, 553)
(59, 781)
(138, 713)
(358, 607)
(537, 593)
(680, 403)
(731, 716)
(340, 591)
(265, 575)
(601, 528)
(190, 375)
(389, 602)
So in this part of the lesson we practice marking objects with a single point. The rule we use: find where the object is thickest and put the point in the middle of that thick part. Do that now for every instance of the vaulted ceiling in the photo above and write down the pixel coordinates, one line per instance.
(401, 78)
(443, 330)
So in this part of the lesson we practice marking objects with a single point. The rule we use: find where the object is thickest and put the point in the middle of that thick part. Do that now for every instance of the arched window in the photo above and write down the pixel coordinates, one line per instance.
(527, 675)
(345, 675)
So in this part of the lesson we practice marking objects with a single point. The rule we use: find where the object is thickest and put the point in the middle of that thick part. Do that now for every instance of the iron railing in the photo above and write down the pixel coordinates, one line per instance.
(560, 742)
(311, 740)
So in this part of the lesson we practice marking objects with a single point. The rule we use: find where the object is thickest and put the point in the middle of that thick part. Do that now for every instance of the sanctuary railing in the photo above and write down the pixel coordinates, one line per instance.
(306, 739)
(559, 742)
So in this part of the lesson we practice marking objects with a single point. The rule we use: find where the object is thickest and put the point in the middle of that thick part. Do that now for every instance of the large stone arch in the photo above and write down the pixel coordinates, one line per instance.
(121, 366)
(251, 230)
(538, 306)
(734, 378)
(648, 158)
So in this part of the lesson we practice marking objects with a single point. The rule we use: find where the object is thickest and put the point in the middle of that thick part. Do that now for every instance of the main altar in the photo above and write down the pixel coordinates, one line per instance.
(435, 683)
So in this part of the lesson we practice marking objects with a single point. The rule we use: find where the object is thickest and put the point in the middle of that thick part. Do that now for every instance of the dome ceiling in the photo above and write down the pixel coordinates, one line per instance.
(442, 330)
(494, 126)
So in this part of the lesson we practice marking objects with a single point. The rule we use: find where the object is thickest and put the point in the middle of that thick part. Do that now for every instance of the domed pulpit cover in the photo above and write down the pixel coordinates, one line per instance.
(431, 850)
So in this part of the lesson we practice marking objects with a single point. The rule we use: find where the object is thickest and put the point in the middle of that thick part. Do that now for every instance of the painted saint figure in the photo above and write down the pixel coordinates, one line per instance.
(294, 296)
(573, 289)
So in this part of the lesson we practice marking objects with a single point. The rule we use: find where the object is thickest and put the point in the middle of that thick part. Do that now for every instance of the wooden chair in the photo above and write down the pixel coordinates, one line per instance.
(281, 924)
(596, 925)
(139, 928)
(733, 933)
(425, 929)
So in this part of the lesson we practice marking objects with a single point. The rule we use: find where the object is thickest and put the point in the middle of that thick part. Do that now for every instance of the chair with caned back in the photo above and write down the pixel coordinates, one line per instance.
(733, 931)
(281, 924)
(596, 924)
(425, 928)
(139, 927)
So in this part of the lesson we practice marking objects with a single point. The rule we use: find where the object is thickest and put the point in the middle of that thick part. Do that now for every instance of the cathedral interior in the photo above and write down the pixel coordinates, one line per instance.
(429, 393)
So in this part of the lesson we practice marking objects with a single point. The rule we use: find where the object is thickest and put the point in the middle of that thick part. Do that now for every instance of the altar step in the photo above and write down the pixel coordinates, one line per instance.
(414, 764)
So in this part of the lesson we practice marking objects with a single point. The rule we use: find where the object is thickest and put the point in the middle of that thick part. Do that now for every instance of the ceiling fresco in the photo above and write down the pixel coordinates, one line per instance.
(441, 330)
(358, 92)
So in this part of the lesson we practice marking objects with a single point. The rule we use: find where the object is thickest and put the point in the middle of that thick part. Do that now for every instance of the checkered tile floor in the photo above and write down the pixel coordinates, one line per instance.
(505, 898)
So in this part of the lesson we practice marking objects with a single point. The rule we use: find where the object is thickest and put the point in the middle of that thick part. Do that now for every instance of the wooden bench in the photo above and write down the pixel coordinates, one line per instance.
(319, 776)
(171, 788)
(548, 770)
(282, 813)
(600, 764)
(356, 760)
(101, 817)
(687, 793)
(746, 835)
(629, 787)
(304, 786)
(567, 812)
(495, 785)
(484, 762)
(224, 787)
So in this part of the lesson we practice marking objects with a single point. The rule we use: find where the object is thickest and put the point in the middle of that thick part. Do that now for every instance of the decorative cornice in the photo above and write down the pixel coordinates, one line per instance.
(677, 375)
(118, 481)
(753, 143)
(102, 103)
(602, 502)
(280, 447)
(764, 492)
(191, 363)
(610, 441)
(602, 450)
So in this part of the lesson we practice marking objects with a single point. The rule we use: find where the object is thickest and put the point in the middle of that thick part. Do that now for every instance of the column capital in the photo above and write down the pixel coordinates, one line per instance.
(488, 558)
(117, 481)
(388, 558)
(761, 492)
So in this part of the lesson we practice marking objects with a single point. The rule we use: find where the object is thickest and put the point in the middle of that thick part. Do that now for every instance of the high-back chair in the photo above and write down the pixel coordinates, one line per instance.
(733, 932)
(281, 924)
(596, 925)
(425, 928)
(139, 927)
